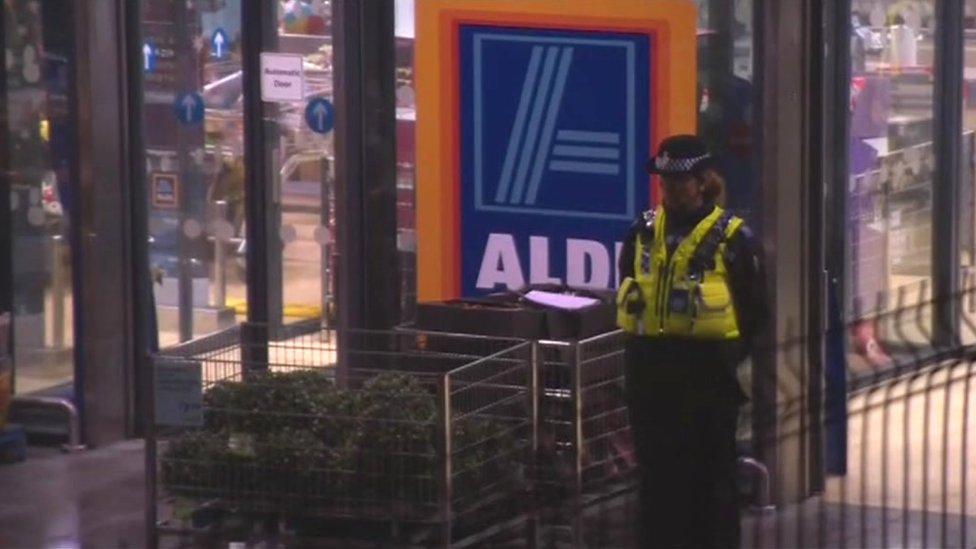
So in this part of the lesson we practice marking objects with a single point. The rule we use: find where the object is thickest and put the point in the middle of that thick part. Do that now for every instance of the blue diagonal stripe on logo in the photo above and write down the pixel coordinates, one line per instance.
(554, 105)
(518, 128)
(535, 124)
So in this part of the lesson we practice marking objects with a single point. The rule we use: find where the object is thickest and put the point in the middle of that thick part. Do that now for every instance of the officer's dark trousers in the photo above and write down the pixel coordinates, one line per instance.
(684, 404)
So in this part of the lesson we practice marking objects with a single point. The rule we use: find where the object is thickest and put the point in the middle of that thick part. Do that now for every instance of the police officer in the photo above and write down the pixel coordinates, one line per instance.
(692, 298)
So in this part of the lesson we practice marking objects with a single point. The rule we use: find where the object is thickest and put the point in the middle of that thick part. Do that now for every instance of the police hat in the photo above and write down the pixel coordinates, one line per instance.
(679, 154)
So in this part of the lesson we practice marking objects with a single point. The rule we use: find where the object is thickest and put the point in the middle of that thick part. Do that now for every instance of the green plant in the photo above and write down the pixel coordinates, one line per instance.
(268, 402)
(394, 437)
(201, 463)
(287, 439)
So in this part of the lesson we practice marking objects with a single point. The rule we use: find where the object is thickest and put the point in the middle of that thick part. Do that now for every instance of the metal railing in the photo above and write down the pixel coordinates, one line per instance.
(64, 405)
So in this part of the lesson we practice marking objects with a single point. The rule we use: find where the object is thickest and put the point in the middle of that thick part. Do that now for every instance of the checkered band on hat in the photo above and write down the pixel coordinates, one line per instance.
(666, 164)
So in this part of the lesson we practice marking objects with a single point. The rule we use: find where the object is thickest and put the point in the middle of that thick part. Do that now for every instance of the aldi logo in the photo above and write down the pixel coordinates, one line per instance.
(554, 123)
(555, 129)
(534, 123)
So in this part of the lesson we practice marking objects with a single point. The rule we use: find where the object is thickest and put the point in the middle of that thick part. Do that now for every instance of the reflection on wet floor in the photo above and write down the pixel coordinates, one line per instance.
(89, 499)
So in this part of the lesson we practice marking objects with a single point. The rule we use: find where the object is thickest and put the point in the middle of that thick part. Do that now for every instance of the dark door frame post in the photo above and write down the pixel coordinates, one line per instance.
(6, 234)
(947, 141)
(835, 84)
(365, 141)
(783, 386)
(258, 21)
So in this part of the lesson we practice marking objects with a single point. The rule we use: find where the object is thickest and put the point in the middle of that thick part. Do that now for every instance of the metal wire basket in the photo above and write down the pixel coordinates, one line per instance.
(587, 460)
(418, 439)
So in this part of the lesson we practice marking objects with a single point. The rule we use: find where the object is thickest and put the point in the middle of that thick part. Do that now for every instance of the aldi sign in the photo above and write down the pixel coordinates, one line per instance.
(539, 174)
(555, 127)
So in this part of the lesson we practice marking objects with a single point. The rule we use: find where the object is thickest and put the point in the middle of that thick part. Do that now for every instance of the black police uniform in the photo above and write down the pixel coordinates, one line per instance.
(684, 401)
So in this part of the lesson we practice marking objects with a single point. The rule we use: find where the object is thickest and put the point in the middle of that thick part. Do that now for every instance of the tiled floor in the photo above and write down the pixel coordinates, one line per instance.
(90, 499)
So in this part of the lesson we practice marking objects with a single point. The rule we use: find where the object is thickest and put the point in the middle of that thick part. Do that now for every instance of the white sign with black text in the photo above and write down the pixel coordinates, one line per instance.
(179, 393)
(282, 77)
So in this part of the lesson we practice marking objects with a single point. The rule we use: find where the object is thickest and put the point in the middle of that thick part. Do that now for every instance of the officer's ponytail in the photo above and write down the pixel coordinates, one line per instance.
(712, 184)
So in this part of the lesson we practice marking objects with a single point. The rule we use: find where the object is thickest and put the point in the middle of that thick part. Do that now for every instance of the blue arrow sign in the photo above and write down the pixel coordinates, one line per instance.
(148, 58)
(220, 42)
(188, 108)
(320, 115)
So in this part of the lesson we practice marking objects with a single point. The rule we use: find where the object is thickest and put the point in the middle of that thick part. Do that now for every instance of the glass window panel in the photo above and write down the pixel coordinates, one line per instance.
(967, 180)
(40, 140)
(726, 121)
(302, 159)
(891, 165)
(193, 132)
(406, 113)
(725, 99)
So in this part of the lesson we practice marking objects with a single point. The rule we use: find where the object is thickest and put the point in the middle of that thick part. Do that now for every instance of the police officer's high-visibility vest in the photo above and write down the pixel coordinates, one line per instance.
(687, 293)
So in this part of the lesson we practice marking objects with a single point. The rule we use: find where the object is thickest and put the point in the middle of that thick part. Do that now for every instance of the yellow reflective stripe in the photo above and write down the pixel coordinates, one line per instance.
(687, 248)
(734, 225)
(658, 229)
(624, 290)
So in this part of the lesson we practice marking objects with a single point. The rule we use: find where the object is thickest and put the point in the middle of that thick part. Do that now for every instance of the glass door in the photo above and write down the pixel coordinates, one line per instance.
(193, 109)
(891, 164)
(193, 132)
(300, 154)
(39, 138)
(967, 189)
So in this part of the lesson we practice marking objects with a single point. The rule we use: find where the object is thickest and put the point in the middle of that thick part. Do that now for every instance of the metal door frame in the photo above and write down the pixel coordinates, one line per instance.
(6, 237)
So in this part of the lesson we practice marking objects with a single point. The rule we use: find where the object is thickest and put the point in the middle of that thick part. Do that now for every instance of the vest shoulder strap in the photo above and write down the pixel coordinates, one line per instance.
(724, 227)
(733, 227)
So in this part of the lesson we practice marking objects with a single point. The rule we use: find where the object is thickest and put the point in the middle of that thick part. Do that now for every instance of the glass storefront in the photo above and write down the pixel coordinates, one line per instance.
(195, 169)
(193, 130)
(891, 168)
(193, 133)
(727, 120)
(193, 116)
(726, 98)
(967, 180)
(38, 45)
(302, 159)
(406, 123)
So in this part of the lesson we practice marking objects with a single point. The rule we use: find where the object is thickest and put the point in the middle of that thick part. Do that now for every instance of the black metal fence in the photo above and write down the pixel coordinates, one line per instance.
(884, 458)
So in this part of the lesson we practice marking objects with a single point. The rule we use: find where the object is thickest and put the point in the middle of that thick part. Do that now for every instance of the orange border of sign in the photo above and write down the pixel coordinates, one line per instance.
(672, 23)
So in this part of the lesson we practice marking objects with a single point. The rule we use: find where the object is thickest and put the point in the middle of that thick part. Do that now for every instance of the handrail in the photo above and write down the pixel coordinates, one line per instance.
(293, 161)
(763, 504)
(74, 419)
